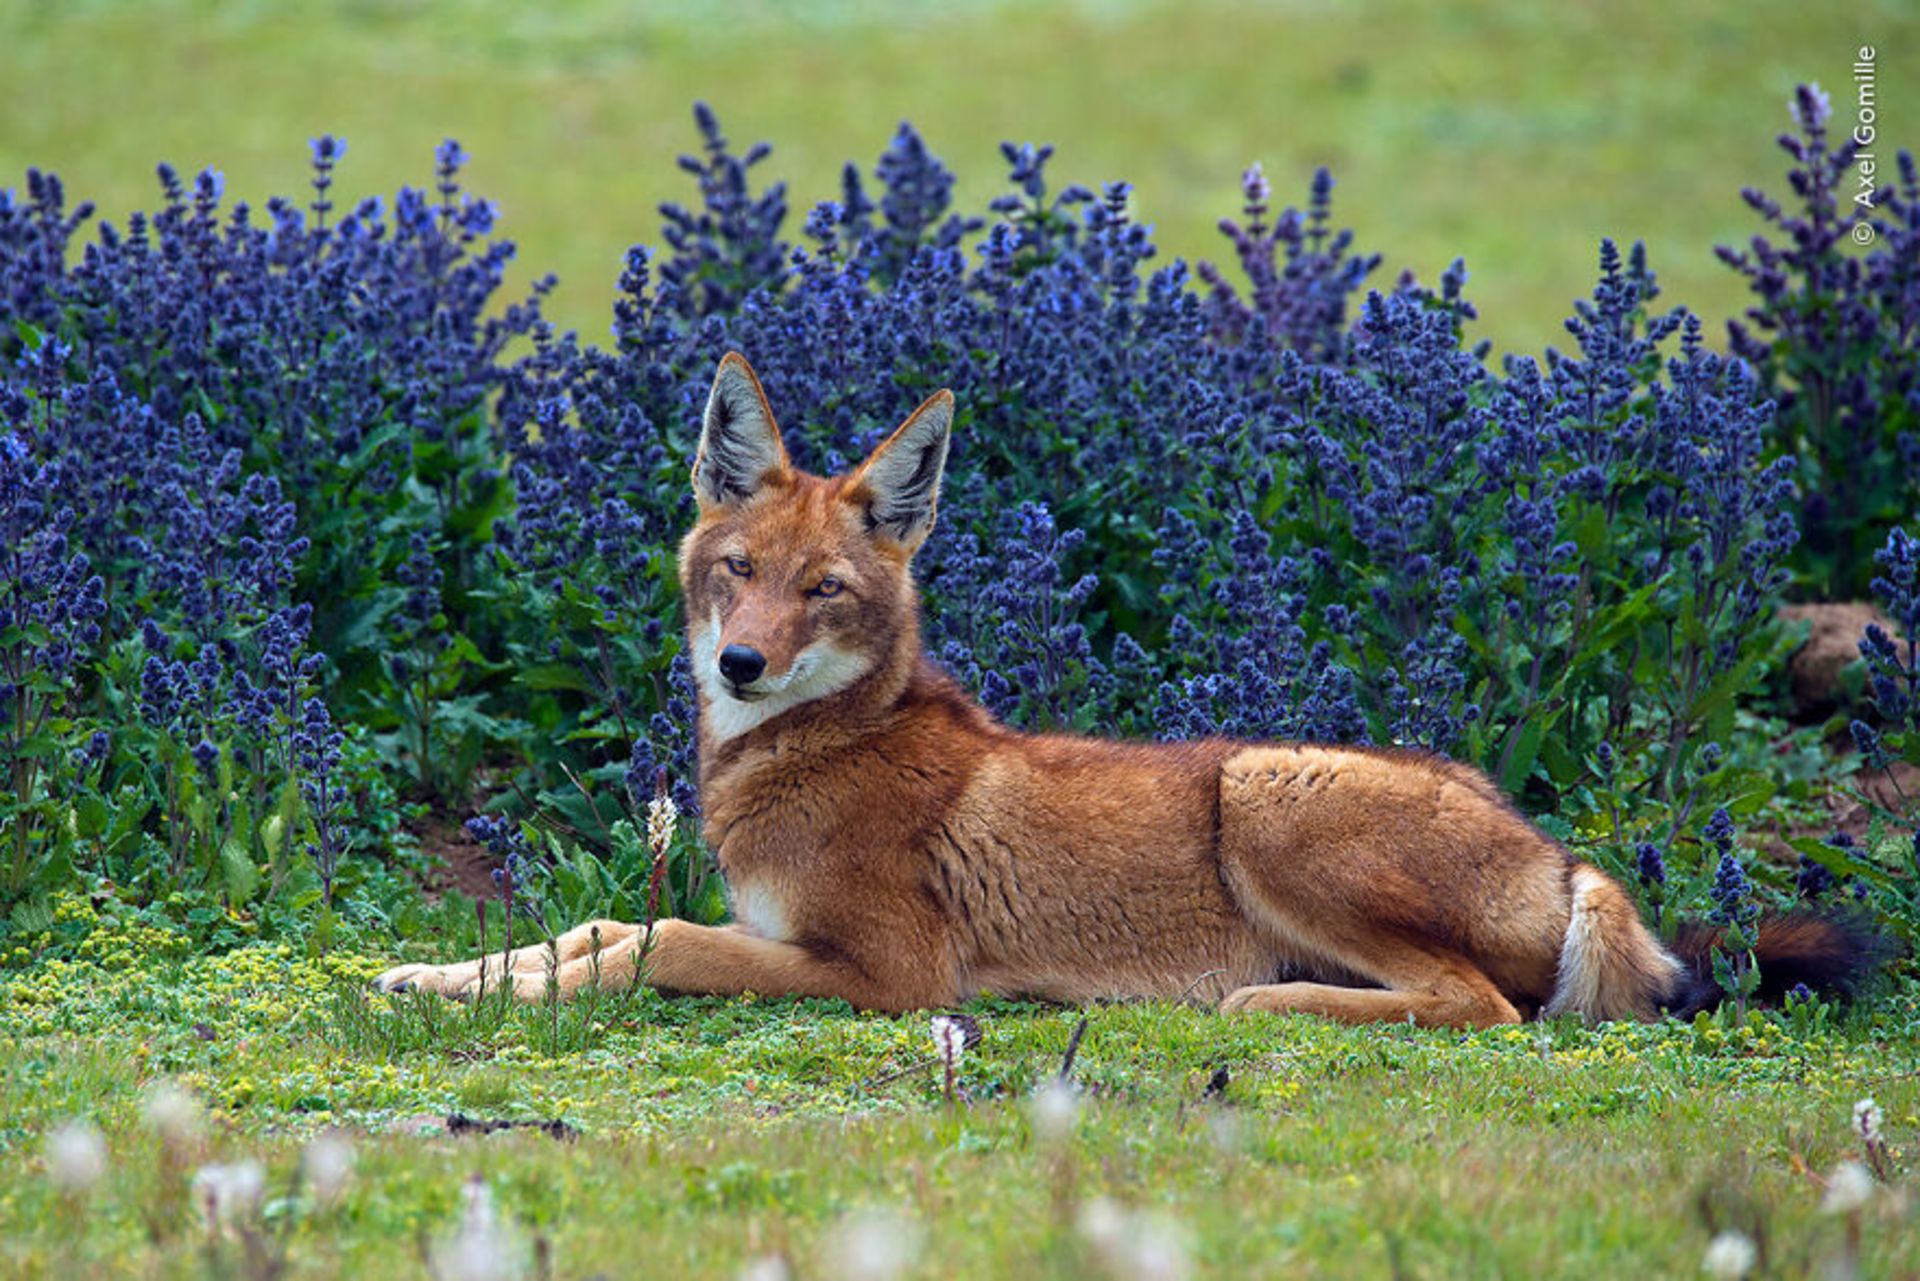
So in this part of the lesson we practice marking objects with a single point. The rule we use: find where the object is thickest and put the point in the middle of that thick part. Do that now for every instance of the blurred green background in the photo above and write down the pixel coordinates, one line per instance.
(1513, 134)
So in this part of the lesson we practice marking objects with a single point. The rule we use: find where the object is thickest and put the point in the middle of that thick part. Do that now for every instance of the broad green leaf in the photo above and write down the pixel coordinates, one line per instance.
(241, 876)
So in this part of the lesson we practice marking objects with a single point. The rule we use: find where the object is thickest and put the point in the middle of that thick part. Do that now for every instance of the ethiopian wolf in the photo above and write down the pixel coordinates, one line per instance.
(887, 842)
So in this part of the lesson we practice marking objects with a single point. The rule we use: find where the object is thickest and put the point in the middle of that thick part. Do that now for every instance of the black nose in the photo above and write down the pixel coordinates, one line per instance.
(742, 664)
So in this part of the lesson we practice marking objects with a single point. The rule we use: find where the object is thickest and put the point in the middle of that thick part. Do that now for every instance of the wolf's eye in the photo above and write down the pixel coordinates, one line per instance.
(828, 586)
(739, 567)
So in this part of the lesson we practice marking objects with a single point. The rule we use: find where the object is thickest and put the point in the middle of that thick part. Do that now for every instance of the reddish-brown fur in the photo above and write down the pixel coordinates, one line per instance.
(887, 842)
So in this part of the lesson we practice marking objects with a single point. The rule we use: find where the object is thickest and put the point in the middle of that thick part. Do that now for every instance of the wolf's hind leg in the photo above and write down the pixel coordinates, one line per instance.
(1432, 992)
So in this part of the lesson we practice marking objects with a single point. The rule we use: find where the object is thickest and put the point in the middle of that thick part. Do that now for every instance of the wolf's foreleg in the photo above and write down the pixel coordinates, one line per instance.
(463, 979)
(708, 960)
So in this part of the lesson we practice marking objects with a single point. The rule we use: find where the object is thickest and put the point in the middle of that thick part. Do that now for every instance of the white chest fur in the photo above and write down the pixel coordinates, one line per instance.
(758, 907)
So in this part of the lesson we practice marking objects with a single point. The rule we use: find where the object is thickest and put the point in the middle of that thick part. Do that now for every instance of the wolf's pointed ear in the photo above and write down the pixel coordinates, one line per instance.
(740, 443)
(899, 486)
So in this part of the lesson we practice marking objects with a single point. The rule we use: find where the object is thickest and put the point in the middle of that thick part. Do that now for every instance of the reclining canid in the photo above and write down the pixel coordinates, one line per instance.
(885, 841)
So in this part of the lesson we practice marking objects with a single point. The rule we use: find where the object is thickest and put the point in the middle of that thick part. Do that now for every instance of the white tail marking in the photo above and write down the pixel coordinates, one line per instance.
(1607, 966)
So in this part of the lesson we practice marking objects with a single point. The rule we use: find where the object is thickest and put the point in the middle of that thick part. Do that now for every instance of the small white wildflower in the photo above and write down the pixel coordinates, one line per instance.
(1730, 1256)
(76, 1156)
(228, 1194)
(481, 1248)
(950, 1039)
(172, 1113)
(873, 1245)
(1140, 1247)
(1866, 1121)
(476, 1203)
(327, 1162)
(1157, 1250)
(1225, 1128)
(662, 816)
(769, 1267)
(1101, 1224)
(1849, 1187)
(1053, 1110)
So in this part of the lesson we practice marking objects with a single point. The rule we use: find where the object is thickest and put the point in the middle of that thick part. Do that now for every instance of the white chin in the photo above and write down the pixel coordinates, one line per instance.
(818, 671)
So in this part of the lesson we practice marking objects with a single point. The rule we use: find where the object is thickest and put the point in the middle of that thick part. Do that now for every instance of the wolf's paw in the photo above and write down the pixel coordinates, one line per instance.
(1240, 1000)
(443, 980)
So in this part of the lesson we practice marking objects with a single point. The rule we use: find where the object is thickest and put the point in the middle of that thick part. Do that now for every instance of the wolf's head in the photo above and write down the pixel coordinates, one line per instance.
(797, 587)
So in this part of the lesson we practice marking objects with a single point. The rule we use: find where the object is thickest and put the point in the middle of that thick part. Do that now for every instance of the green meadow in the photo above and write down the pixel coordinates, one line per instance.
(1514, 135)
(706, 1137)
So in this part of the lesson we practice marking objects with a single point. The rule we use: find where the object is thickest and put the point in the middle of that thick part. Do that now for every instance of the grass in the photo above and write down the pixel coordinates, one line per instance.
(715, 1132)
(1516, 135)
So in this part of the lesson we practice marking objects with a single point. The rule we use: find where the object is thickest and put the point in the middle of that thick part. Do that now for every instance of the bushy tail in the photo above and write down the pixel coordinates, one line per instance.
(1612, 966)
(1832, 953)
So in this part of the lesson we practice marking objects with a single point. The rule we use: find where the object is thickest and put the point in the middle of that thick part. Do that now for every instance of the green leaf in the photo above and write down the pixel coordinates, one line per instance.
(1556, 827)
(1840, 862)
(290, 806)
(1623, 619)
(131, 807)
(1590, 534)
(569, 884)
(91, 815)
(237, 867)
(1723, 972)
(1562, 766)
(461, 649)
(376, 441)
(1736, 680)
(474, 521)
(210, 409)
(1475, 638)
(1525, 752)
(56, 866)
(432, 460)
(31, 916)
(555, 676)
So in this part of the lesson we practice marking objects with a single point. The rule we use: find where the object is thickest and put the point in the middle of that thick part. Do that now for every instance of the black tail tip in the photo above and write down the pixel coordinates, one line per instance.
(1834, 953)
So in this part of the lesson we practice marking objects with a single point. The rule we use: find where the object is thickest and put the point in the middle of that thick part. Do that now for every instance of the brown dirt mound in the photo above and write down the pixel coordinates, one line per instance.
(1833, 644)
